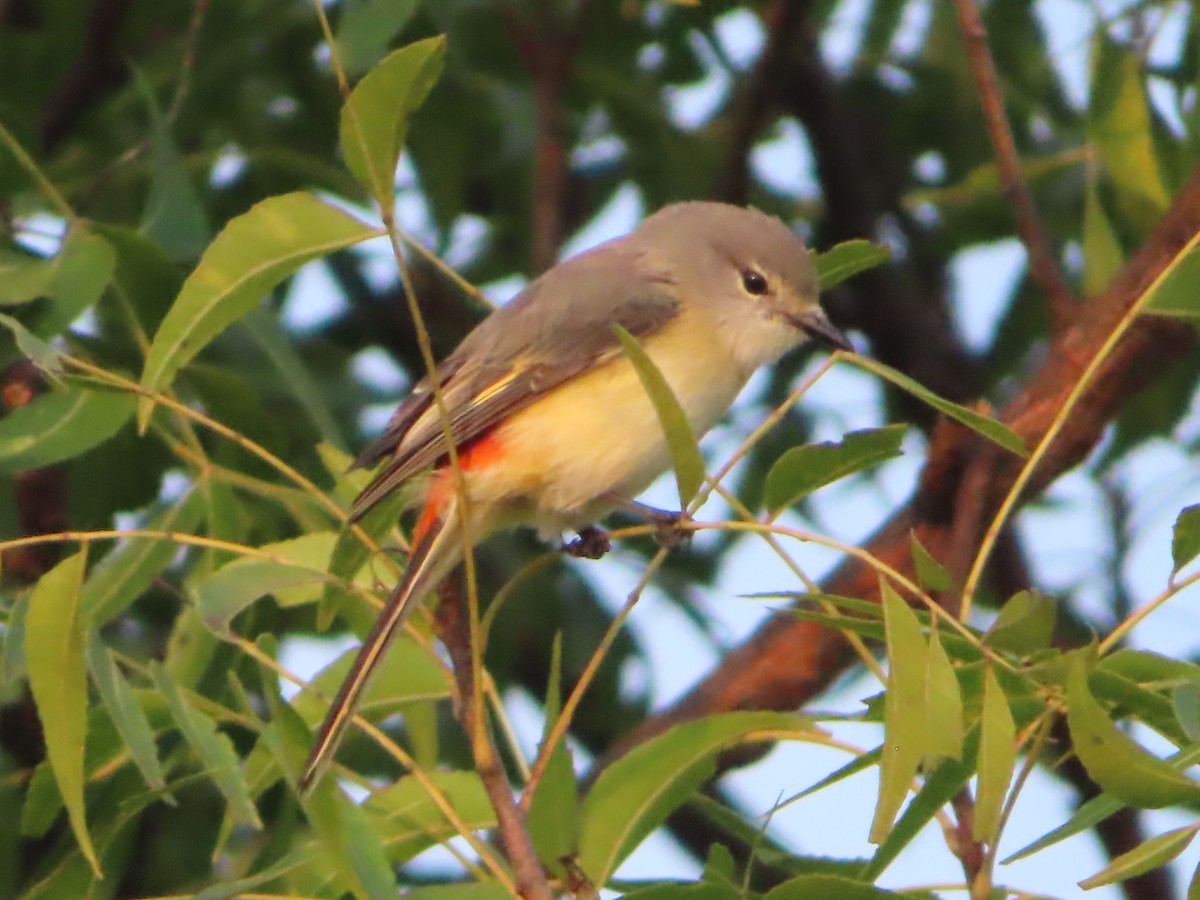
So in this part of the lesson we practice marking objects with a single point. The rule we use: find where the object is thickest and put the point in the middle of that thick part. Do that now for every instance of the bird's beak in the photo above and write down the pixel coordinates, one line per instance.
(816, 325)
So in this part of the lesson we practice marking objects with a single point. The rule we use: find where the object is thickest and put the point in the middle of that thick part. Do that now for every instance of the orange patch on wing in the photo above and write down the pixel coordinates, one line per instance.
(481, 453)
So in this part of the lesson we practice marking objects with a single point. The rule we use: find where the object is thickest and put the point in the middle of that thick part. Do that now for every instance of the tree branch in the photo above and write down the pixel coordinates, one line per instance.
(511, 824)
(786, 662)
(1042, 264)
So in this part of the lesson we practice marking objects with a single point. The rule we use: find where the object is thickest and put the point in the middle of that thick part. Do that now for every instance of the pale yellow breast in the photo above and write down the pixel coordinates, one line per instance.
(599, 433)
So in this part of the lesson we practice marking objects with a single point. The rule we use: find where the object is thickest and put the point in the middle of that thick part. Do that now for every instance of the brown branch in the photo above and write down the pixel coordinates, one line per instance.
(547, 50)
(786, 663)
(756, 100)
(1042, 264)
(98, 68)
(511, 823)
(970, 852)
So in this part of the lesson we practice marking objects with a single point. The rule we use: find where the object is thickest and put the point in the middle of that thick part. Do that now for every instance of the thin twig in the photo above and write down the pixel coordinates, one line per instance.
(1042, 265)
(454, 630)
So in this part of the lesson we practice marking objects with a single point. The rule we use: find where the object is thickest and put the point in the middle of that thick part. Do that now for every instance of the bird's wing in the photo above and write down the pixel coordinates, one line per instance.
(558, 327)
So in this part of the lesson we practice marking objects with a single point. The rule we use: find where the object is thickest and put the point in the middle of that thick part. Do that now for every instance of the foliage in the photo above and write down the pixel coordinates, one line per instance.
(181, 186)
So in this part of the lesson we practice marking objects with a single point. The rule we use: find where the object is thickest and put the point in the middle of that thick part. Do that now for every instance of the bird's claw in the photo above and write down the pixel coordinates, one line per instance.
(592, 543)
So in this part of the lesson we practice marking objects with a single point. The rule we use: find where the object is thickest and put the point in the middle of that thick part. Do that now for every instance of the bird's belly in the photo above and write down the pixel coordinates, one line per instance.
(599, 434)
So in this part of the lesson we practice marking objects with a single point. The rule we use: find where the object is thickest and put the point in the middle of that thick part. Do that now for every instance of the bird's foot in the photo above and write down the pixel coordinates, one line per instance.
(592, 543)
(672, 528)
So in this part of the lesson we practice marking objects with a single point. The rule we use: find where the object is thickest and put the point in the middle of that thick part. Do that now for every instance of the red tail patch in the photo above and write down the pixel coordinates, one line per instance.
(481, 453)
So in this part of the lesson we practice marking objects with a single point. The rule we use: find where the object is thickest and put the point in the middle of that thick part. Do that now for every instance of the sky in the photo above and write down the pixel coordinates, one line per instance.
(1066, 546)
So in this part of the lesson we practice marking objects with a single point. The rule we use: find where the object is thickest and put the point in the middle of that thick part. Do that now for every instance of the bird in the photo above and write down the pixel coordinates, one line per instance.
(551, 425)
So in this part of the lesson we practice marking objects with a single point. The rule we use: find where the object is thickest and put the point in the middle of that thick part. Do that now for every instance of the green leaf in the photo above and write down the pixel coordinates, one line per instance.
(1113, 759)
(553, 818)
(943, 707)
(295, 575)
(126, 713)
(55, 643)
(997, 756)
(409, 822)
(44, 356)
(827, 887)
(939, 788)
(1102, 254)
(1119, 125)
(634, 795)
(1093, 812)
(802, 470)
(1176, 294)
(297, 375)
(126, 572)
(23, 277)
(60, 425)
(1148, 855)
(1185, 537)
(904, 711)
(1185, 698)
(681, 440)
(990, 428)
(82, 270)
(406, 674)
(848, 258)
(43, 802)
(366, 27)
(1025, 623)
(931, 574)
(214, 750)
(174, 217)
(374, 120)
(252, 254)
(344, 829)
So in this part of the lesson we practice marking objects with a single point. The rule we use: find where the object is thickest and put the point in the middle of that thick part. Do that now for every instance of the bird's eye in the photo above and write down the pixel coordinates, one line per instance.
(754, 282)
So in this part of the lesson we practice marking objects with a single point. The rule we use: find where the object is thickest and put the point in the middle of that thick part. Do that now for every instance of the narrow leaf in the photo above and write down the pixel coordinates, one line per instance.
(60, 425)
(127, 571)
(1119, 125)
(55, 643)
(43, 355)
(1113, 759)
(1148, 855)
(943, 707)
(1185, 699)
(251, 255)
(297, 375)
(1025, 623)
(1093, 812)
(1102, 255)
(374, 120)
(827, 887)
(802, 470)
(554, 811)
(215, 751)
(681, 439)
(126, 713)
(343, 827)
(295, 575)
(848, 258)
(1176, 294)
(634, 795)
(82, 270)
(931, 574)
(1185, 537)
(990, 428)
(997, 756)
(366, 28)
(904, 710)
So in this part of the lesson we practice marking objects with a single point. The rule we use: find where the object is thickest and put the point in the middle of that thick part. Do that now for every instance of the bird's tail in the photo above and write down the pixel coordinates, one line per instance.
(436, 550)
